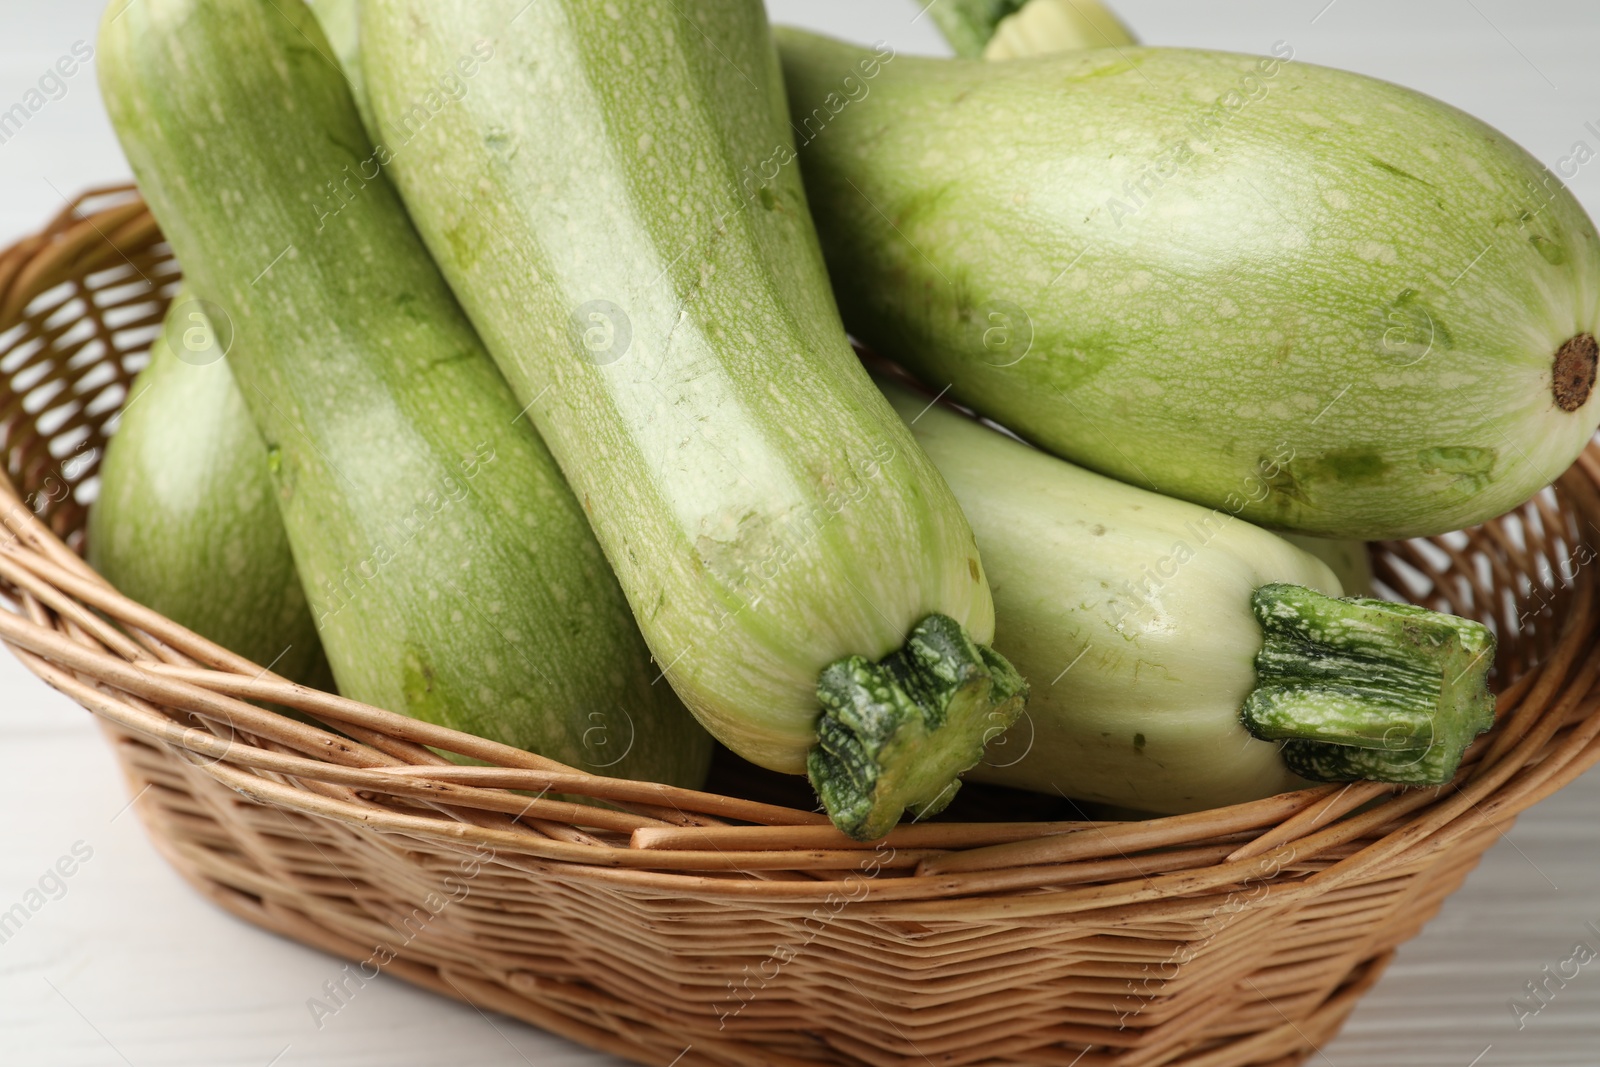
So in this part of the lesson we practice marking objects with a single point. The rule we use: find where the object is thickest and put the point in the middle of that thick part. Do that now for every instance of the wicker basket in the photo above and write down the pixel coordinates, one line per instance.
(681, 927)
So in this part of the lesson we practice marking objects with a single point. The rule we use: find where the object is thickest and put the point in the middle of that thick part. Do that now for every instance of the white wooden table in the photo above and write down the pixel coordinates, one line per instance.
(122, 964)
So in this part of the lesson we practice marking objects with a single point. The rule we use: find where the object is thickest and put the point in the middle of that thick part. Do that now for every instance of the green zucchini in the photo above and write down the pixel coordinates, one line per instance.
(1203, 273)
(1184, 659)
(341, 23)
(611, 200)
(449, 568)
(186, 520)
(1042, 27)
(1010, 29)
(1350, 561)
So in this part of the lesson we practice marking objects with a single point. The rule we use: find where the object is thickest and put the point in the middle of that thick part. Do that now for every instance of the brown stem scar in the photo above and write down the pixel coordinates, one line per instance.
(1573, 370)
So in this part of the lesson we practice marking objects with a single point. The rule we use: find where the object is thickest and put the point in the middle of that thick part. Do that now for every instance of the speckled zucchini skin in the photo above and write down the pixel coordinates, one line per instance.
(341, 22)
(449, 567)
(187, 522)
(614, 200)
(1342, 305)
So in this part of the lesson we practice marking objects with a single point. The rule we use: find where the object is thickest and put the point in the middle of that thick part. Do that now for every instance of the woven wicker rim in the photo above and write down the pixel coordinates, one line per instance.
(157, 681)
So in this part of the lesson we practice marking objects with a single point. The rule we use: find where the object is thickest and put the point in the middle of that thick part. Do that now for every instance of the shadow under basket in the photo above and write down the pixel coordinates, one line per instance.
(683, 927)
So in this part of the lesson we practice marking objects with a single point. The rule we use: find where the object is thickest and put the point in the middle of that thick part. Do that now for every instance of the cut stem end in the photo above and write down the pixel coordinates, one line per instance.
(1362, 688)
(897, 734)
(1572, 372)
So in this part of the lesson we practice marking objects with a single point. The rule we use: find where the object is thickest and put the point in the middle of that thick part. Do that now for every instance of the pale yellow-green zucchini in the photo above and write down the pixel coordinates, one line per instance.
(1182, 658)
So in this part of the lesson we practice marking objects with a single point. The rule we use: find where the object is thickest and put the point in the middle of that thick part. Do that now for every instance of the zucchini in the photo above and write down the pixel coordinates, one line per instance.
(1203, 273)
(1010, 29)
(1184, 659)
(1350, 561)
(186, 520)
(341, 23)
(610, 200)
(449, 568)
(1041, 27)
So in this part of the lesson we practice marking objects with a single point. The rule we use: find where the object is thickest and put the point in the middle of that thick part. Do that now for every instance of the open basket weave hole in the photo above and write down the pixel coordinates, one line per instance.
(676, 926)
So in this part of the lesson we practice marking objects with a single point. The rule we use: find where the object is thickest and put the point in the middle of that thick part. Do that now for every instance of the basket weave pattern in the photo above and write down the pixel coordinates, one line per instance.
(683, 927)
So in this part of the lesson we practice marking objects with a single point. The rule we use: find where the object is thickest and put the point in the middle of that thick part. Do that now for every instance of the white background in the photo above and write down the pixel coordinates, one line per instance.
(131, 967)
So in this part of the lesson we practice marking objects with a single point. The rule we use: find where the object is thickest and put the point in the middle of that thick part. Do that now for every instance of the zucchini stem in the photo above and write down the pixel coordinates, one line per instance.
(1006, 29)
(1362, 688)
(896, 735)
(968, 24)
